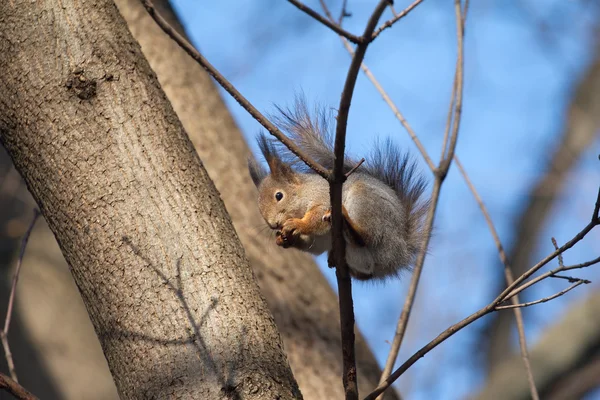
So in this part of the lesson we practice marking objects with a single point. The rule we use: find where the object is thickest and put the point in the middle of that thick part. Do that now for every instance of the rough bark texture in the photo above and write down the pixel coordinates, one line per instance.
(149, 243)
(581, 128)
(303, 304)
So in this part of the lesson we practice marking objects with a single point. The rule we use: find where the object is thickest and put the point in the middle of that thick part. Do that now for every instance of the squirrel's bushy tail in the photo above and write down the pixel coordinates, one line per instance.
(312, 134)
(396, 168)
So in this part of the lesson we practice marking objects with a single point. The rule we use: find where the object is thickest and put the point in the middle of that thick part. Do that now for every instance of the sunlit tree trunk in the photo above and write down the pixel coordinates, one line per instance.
(150, 245)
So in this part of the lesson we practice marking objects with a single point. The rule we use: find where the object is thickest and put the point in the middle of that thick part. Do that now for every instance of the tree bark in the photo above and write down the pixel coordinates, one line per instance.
(148, 241)
(303, 304)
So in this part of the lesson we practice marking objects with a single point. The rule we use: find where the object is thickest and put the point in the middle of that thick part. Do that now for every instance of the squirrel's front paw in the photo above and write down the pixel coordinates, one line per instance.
(291, 227)
(289, 232)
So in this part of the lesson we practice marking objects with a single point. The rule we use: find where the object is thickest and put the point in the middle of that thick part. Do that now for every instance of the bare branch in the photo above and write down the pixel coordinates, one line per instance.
(343, 13)
(334, 27)
(440, 174)
(362, 160)
(596, 214)
(508, 273)
(336, 180)
(553, 274)
(13, 387)
(458, 89)
(395, 346)
(396, 18)
(560, 257)
(486, 215)
(448, 121)
(465, 322)
(385, 97)
(545, 299)
(552, 256)
(11, 299)
(225, 84)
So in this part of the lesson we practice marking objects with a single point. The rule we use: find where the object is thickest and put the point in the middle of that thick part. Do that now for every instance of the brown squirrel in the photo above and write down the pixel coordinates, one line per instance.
(381, 200)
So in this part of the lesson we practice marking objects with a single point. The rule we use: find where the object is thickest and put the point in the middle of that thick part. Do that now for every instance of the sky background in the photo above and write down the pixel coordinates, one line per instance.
(523, 61)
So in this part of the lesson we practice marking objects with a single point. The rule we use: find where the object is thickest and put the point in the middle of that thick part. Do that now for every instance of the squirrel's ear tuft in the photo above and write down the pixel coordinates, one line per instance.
(257, 172)
(280, 170)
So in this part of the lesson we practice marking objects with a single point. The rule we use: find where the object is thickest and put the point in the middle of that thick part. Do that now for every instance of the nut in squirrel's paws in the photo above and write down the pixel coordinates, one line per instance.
(282, 240)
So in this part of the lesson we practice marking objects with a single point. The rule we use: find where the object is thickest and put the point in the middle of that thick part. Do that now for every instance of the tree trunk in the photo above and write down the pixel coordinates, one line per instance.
(303, 304)
(149, 243)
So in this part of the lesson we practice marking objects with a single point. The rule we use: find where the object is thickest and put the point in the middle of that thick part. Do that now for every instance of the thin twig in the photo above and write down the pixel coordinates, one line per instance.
(13, 387)
(11, 298)
(561, 262)
(334, 27)
(593, 223)
(440, 174)
(225, 84)
(570, 279)
(343, 13)
(510, 290)
(336, 180)
(448, 120)
(386, 97)
(596, 214)
(545, 299)
(553, 274)
(458, 90)
(509, 279)
(362, 160)
(397, 17)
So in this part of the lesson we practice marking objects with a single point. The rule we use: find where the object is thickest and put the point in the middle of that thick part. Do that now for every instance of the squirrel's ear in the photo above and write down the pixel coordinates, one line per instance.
(279, 169)
(257, 172)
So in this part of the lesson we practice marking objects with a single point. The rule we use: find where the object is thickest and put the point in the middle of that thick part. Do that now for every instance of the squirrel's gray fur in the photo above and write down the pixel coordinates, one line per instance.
(382, 197)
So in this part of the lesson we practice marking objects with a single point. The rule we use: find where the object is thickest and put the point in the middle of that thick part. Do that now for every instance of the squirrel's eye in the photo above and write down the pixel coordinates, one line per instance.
(278, 196)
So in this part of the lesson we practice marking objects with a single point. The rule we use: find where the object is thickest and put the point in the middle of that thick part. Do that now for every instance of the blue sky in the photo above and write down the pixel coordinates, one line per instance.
(519, 78)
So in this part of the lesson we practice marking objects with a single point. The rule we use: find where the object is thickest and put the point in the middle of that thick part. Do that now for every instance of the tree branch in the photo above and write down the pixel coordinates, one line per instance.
(465, 322)
(440, 174)
(396, 18)
(11, 299)
(336, 180)
(545, 299)
(471, 187)
(595, 221)
(13, 387)
(508, 274)
(229, 88)
(334, 27)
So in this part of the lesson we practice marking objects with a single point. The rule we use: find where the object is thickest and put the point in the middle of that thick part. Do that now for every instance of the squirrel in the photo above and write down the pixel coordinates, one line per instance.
(382, 201)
